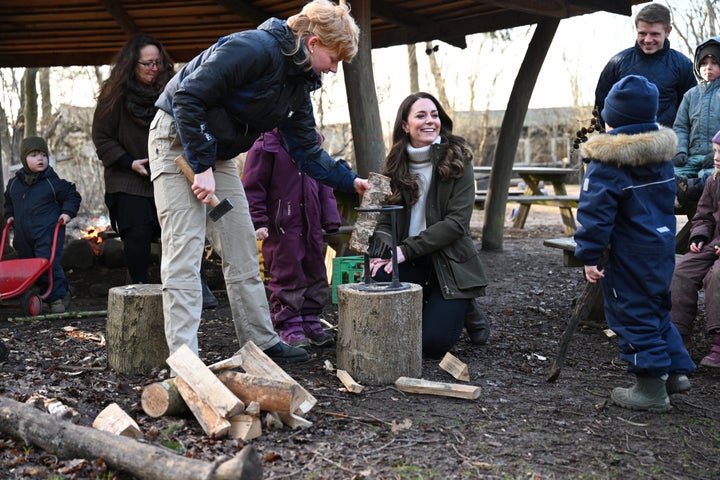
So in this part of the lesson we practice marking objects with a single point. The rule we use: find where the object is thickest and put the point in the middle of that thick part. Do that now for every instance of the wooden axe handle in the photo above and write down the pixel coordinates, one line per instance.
(185, 167)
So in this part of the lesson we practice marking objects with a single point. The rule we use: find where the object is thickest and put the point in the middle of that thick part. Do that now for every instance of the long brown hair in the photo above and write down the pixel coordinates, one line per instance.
(123, 73)
(451, 166)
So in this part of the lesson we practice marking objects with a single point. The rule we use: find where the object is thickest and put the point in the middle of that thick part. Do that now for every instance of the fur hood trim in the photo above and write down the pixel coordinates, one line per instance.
(632, 150)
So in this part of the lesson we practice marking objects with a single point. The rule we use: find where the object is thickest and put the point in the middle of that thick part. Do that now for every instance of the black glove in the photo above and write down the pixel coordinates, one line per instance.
(380, 245)
(680, 159)
(709, 161)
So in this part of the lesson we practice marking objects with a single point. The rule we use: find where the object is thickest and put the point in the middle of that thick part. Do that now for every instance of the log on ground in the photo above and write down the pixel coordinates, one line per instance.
(149, 462)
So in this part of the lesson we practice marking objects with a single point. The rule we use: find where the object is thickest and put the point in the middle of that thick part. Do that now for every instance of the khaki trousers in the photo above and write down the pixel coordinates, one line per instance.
(185, 226)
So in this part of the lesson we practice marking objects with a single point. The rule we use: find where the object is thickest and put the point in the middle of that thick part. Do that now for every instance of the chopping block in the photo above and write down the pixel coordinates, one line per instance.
(379, 333)
(136, 329)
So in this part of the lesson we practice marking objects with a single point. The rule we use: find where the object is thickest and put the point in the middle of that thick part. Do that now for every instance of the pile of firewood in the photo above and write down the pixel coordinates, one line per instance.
(229, 403)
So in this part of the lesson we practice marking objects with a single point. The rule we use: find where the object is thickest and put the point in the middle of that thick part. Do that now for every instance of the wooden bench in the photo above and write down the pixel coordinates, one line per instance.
(567, 245)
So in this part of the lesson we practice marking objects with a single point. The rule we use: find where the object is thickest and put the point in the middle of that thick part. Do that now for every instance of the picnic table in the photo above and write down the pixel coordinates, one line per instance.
(535, 194)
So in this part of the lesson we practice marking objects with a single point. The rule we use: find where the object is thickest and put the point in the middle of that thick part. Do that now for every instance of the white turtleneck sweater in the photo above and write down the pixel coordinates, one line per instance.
(421, 165)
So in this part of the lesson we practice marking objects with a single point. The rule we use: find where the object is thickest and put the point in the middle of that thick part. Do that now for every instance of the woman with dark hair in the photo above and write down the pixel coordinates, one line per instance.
(431, 176)
(125, 107)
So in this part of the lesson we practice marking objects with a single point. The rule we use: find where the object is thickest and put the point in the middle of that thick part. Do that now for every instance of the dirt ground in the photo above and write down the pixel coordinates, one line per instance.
(521, 426)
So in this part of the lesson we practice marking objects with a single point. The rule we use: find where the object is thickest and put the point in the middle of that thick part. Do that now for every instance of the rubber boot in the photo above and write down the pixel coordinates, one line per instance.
(677, 383)
(648, 393)
(291, 332)
(315, 332)
(477, 324)
(712, 360)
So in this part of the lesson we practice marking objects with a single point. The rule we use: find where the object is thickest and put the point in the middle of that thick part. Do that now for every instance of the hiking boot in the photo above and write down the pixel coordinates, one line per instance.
(712, 360)
(291, 332)
(281, 353)
(315, 332)
(56, 306)
(477, 324)
(648, 393)
(208, 299)
(677, 383)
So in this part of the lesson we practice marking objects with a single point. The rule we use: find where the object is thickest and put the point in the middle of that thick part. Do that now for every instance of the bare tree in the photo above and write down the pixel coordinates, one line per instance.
(413, 68)
(436, 71)
(31, 108)
(45, 99)
(694, 21)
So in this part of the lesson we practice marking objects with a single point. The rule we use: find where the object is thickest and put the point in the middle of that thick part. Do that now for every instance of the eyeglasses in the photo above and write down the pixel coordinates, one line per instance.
(154, 63)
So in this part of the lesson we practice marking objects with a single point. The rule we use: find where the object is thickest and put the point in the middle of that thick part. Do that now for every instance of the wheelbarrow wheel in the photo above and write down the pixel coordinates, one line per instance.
(31, 303)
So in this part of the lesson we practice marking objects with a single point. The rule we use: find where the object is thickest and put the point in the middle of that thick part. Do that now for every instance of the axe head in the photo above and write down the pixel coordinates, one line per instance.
(220, 209)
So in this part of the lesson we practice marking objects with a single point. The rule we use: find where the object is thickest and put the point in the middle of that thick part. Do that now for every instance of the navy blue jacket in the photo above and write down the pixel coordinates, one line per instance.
(37, 207)
(244, 85)
(670, 71)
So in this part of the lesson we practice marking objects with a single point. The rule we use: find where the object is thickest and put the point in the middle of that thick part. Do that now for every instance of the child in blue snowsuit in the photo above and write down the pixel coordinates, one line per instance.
(36, 199)
(626, 206)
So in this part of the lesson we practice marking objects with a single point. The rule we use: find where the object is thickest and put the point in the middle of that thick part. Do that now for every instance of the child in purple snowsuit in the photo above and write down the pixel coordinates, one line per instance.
(700, 269)
(289, 211)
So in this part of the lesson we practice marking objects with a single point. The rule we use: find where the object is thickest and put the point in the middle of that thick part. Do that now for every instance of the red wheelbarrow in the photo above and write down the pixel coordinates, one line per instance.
(18, 276)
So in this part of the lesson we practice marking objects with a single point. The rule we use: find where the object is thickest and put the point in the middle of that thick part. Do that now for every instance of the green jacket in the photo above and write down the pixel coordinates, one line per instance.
(447, 237)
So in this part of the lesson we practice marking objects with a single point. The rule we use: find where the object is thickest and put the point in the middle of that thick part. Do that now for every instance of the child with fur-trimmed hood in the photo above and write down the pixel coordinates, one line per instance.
(626, 212)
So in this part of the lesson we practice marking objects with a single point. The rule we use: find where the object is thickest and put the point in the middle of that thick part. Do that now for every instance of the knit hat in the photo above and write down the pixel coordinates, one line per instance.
(710, 48)
(716, 138)
(631, 100)
(31, 144)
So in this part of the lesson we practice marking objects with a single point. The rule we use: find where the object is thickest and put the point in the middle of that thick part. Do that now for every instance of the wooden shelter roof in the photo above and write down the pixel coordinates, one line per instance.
(41, 33)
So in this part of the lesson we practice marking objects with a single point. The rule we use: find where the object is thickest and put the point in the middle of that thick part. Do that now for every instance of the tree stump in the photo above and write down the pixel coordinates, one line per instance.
(379, 333)
(135, 329)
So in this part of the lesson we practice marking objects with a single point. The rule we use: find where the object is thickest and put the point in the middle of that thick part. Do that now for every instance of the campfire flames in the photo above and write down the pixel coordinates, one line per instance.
(94, 235)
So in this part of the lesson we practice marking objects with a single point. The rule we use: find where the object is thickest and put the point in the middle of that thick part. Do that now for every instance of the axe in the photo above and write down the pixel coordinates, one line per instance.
(219, 208)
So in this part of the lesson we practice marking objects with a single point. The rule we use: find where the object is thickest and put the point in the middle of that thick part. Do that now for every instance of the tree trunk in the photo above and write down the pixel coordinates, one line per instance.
(368, 141)
(413, 67)
(148, 462)
(380, 333)
(136, 329)
(438, 77)
(31, 109)
(494, 222)
(46, 100)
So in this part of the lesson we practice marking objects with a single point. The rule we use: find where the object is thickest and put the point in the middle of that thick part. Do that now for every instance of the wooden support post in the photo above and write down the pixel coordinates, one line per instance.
(135, 329)
(380, 333)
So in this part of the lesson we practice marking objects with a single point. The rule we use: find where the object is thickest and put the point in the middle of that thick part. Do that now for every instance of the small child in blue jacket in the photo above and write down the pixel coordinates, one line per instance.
(36, 199)
(627, 209)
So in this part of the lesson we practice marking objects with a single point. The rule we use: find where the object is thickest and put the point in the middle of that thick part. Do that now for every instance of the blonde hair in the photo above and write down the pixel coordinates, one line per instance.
(332, 24)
